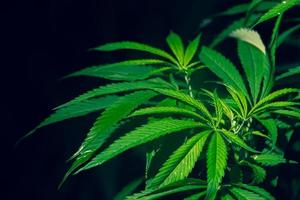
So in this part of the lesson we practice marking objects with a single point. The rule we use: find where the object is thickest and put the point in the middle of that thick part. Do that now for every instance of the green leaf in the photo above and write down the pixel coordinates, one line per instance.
(242, 194)
(181, 162)
(274, 38)
(286, 34)
(130, 70)
(166, 110)
(135, 46)
(258, 190)
(226, 32)
(259, 173)
(186, 185)
(216, 164)
(291, 72)
(117, 88)
(76, 110)
(185, 99)
(191, 50)
(270, 125)
(196, 196)
(176, 45)
(253, 62)
(227, 197)
(269, 159)
(141, 135)
(238, 141)
(223, 68)
(128, 189)
(272, 96)
(243, 8)
(105, 124)
(276, 105)
(289, 113)
(277, 10)
(251, 37)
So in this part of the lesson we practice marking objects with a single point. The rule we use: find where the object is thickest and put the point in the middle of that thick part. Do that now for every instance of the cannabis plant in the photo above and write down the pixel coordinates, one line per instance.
(230, 133)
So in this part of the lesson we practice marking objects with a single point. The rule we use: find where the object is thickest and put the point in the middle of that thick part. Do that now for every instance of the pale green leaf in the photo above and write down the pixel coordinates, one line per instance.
(251, 37)
(181, 162)
(141, 135)
(226, 32)
(216, 164)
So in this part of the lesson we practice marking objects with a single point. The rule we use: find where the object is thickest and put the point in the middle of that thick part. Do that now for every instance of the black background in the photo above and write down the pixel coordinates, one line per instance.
(48, 39)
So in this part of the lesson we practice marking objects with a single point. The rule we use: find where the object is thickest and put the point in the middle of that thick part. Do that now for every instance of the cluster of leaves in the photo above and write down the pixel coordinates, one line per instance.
(230, 132)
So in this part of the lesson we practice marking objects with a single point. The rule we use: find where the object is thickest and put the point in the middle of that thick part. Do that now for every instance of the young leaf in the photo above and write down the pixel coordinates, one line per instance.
(238, 141)
(253, 62)
(135, 46)
(251, 37)
(176, 45)
(263, 193)
(76, 110)
(141, 135)
(181, 162)
(278, 9)
(117, 88)
(216, 164)
(191, 50)
(242, 194)
(165, 110)
(269, 159)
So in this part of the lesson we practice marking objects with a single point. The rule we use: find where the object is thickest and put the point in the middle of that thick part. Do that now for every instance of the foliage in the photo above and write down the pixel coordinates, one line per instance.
(227, 132)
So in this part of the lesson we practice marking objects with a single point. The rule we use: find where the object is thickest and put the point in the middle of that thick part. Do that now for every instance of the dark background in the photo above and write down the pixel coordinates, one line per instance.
(48, 39)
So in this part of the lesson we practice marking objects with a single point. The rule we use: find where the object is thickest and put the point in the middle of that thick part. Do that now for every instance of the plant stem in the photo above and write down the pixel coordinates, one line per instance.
(188, 83)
